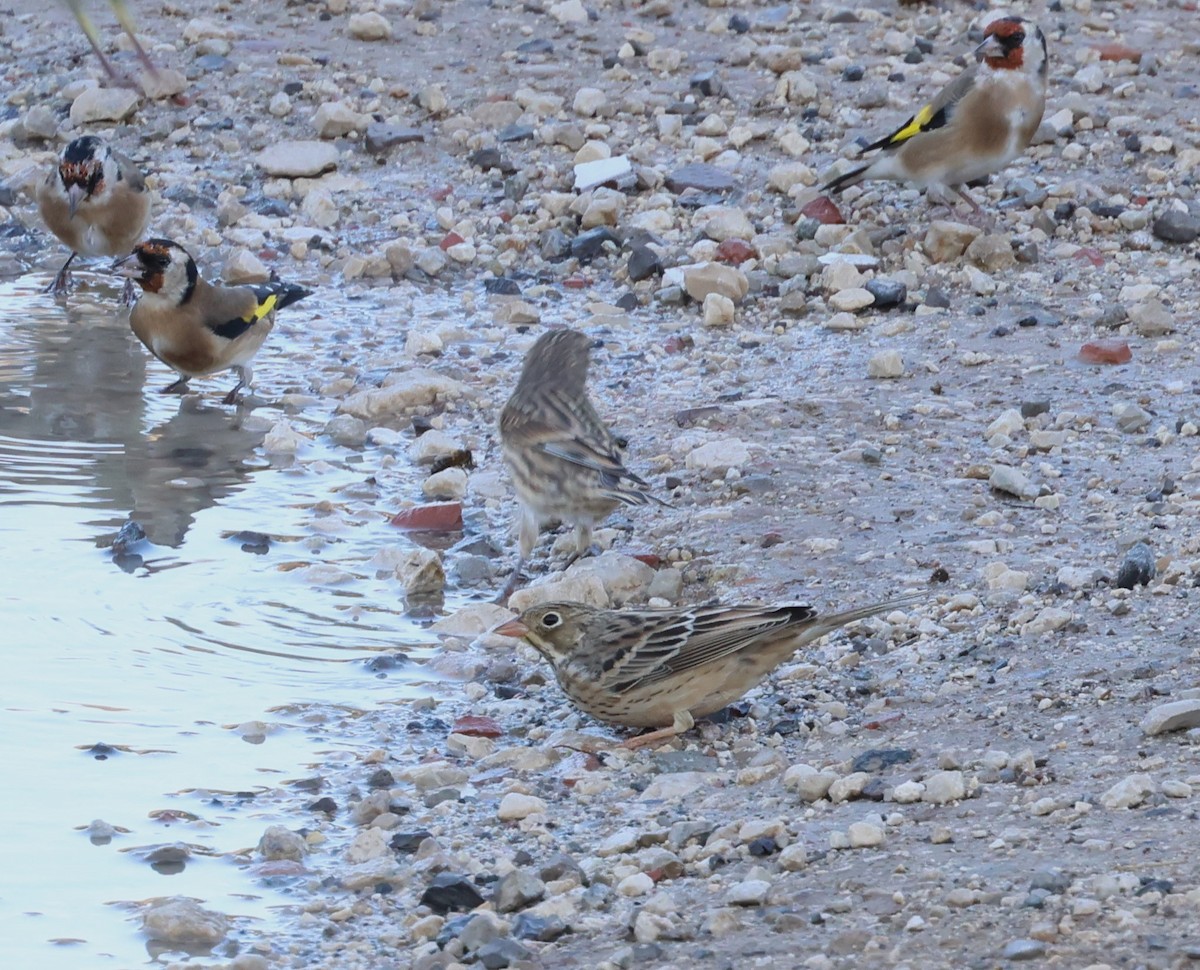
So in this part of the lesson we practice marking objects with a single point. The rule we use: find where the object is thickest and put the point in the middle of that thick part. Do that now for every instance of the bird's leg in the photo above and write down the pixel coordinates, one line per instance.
(89, 31)
(978, 216)
(125, 19)
(525, 540)
(683, 722)
(179, 387)
(244, 374)
(62, 282)
(584, 546)
(514, 580)
(129, 294)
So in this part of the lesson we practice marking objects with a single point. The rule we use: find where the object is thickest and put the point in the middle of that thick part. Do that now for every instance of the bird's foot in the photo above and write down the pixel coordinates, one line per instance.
(61, 285)
(590, 551)
(232, 396)
(644, 739)
(179, 387)
(515, 579)
(129, 294)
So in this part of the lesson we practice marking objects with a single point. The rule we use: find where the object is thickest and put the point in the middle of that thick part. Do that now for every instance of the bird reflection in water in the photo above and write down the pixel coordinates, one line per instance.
(74, 411)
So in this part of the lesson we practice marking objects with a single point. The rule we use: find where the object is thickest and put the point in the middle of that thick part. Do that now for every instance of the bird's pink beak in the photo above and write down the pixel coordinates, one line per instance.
(991, 47)
(75, 195)
(128, 267)
(513, 628)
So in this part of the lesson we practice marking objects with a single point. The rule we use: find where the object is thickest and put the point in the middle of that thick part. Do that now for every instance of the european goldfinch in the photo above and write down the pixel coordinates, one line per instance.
(125, 19)
(976, 125)
(194, 327)
(565, 463)
(95, 201)
(664, 668)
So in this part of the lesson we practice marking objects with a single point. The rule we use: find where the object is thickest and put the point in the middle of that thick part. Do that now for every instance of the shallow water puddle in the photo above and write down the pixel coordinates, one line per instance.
(214, 620)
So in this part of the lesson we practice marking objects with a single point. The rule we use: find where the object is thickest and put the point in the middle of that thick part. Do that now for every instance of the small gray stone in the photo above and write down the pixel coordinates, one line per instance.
(381, 136)
(888, 293)
(502, 953)
(517, 890)
(1176, 227)
(1175, 716)
(699, 175)
(1024, 950)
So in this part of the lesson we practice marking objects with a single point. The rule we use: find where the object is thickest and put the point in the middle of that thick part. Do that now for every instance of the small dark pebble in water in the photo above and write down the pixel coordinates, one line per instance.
(326, 805)
(100, 751)
(385, 662)
(258, 543)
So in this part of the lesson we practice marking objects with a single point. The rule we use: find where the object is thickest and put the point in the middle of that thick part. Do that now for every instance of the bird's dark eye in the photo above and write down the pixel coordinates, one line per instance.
(1018, 37)
(551, 620)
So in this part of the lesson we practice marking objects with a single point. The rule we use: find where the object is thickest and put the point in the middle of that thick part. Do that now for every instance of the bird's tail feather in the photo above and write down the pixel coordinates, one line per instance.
(827, 623)
(853, 177)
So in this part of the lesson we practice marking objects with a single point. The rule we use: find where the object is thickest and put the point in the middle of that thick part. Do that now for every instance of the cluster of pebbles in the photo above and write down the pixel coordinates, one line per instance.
(839, 399)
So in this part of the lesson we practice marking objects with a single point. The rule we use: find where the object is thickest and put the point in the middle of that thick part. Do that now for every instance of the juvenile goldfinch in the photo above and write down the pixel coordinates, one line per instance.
(194, 327)
(565, 463)
(665, 668)
(95, 201)
(976, 125)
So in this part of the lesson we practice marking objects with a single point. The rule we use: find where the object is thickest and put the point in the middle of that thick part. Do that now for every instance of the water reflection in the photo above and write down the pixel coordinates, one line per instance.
(208, 626)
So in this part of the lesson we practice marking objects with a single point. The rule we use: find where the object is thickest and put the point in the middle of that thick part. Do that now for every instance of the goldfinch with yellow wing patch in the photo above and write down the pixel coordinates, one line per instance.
(976, 125)
(95, 201)
(194, 327)
(665, 668)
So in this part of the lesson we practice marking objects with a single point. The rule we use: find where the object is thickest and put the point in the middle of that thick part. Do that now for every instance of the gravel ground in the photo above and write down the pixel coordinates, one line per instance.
(1003, 414)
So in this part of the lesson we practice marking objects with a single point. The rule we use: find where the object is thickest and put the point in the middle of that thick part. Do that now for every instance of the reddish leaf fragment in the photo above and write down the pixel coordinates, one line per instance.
(436, 517)
(1105, 352)
(824, 211)
(477, 726)
(1119, 52)
(735, 252)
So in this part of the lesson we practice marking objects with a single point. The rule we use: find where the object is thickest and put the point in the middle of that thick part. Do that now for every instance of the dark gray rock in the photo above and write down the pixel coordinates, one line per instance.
(588, 245)
(1024, 950)
(1138, 567)
(450, 893)
(381, 137)
(701, 176)
(516, 890)
(888, 293)
(1176, 227)
(643, 263)
(502, 953)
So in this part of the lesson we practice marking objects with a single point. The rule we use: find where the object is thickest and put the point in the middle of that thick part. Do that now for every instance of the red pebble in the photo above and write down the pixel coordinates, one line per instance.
(824, 211)
(450, 239)
(437, 517)
(735, 252)
(442, 194)
(576, 282)
(677, 344)
(1119, 52)
(1105, 352)
(649, 558)
(477, 726)
(1090, 254)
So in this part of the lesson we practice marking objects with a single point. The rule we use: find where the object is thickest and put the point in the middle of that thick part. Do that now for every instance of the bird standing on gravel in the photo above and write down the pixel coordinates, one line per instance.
(664, 668)
(194, 327)
(95, 201)
(976, 125)
(564, 461)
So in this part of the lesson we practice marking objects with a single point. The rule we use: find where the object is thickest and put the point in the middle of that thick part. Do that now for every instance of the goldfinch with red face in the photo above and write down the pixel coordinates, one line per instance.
(976, 125)
(194, 327)
(95, 201)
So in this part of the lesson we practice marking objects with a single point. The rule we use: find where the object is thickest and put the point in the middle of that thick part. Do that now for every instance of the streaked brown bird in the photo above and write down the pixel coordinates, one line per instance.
(94, 200)
(565, 463)
(665, 668)
(195, 327)
(977, 123)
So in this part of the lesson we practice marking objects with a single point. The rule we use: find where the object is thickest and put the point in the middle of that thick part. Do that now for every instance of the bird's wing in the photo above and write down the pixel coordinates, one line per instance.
(130, 173)
(564, 425)
(237, 309)
(693, 638)
(936, 114)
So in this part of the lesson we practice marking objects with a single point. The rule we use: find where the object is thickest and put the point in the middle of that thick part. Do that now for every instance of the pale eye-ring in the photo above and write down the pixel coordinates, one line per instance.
(551, 620)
